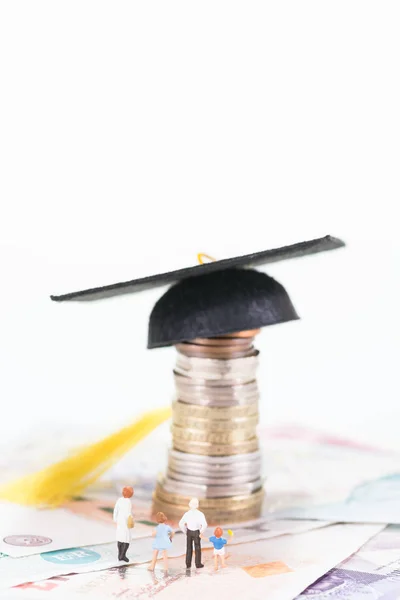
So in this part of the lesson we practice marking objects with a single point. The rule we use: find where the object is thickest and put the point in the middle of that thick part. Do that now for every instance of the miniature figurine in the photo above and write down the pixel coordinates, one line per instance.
(219, 546)
(193, 523)
(163, 535)
(123, 518)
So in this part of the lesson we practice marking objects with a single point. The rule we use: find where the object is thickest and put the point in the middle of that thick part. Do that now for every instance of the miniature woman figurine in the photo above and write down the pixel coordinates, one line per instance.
(124, 520)
(219, 547)
(163, 535)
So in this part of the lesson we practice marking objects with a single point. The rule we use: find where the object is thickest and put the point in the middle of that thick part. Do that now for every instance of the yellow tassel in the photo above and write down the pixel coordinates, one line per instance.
(58, 483)
(201, 256)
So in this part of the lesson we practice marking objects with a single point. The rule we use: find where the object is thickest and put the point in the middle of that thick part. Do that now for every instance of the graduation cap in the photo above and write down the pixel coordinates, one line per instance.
(209, 300)
(215, 298)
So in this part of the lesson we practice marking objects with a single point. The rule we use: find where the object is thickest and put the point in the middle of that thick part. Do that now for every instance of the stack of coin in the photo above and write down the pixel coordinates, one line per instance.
(215, 455)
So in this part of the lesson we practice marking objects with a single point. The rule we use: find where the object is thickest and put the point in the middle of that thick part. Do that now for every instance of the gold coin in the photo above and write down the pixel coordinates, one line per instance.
(228, 344)
(214, 413)
(214, 517)
(214, 351)
(215, 425)
(234, 502)
(216, 449)
(222, 341)
(243, 334)
(180, 509)
(213, 437)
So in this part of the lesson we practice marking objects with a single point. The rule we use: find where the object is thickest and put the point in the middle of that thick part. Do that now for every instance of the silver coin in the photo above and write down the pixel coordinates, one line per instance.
(174, 486)
(237, 392)
(217, 364)
(213, 368)
(248, 474)
(214, 470)
(203, 395)
(187, 379)
(251, 471)
(214, 402)
(230, 380)
(234, 467)
(219, 480)
(214, 460)
(247, 392)
(27, 540)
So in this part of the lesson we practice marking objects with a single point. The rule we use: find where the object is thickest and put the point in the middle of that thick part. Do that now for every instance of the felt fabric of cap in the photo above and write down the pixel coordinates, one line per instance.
(218, 303)
(215, 298)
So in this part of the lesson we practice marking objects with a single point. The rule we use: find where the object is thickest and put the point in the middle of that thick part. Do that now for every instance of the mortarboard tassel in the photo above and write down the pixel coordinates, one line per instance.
(68, 478)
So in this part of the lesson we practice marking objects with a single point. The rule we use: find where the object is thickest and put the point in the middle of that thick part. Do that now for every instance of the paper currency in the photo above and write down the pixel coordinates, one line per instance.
(376, 501)
(15, 571)
(372, 573)
(317, 477)
(83, 521)
(86, 521)
(26, 531)
(279, 569)
(306, 471)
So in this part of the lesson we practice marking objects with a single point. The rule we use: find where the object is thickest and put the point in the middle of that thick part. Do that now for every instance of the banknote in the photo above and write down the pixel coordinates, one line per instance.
(372, 573)
(374, 501)
(26, 530)
(14, 571)
(322, 477)
(83, 521)
(309, 475)
(278, 568)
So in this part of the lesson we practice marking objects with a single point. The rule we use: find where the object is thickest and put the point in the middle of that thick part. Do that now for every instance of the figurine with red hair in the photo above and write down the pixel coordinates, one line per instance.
(163, 535)
(219, 546)
(123, 518)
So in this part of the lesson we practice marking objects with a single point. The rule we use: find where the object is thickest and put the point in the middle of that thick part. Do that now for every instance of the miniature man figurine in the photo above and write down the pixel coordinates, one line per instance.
(193, 523)
(124, 520)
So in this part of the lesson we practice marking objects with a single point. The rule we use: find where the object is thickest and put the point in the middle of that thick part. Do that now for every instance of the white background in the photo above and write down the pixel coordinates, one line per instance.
(136, 134)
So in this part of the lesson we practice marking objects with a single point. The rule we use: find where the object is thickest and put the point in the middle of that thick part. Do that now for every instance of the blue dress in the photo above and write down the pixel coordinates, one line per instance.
(162, 540)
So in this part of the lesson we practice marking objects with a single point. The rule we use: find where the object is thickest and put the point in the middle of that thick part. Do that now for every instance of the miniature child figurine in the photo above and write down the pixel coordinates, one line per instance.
(163, 535)
(123, 518)
(193, 523)
(219, 547)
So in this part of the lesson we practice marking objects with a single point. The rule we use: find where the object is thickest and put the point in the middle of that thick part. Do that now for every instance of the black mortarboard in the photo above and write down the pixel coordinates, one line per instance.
(215, 298)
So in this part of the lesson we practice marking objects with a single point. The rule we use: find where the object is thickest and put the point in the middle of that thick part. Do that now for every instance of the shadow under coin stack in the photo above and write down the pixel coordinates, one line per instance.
(215, 454)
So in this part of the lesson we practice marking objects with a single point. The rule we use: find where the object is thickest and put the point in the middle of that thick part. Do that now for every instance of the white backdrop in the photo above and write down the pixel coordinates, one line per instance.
(136, 134)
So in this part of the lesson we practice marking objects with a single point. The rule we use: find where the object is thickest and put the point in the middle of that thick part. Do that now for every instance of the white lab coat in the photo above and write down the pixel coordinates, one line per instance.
(122, 510)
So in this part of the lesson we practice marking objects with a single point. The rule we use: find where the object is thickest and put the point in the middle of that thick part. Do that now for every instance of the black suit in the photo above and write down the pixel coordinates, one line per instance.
(193, 537)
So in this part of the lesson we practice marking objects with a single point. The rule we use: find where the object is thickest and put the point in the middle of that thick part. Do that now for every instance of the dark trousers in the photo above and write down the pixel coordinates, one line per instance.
(122, 550)
(193, 537)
